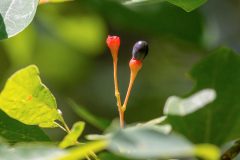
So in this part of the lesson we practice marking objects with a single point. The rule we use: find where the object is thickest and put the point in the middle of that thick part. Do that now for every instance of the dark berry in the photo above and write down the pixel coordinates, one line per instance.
(140, 50)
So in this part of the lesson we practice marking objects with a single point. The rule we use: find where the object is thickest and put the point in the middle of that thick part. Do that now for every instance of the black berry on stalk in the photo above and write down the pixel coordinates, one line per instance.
(140, 50)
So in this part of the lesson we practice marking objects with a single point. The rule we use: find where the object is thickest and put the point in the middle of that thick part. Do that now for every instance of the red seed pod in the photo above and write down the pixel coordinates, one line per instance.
(113, 43)
(140, 50)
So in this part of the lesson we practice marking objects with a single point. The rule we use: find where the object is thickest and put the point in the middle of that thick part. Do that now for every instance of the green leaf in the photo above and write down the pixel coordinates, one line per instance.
(72, 137)
(89, 117)
(13, 131)
(83, 150)
(15, 15)
(30, 152)
(219, 121)
(207, 151)
(26, 99)
(47, 151)
(187, 5)
(149, 142)
(184, 106)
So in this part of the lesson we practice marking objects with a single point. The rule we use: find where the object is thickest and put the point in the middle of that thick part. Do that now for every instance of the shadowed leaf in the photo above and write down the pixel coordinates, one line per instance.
(219, 121)
(14, 131)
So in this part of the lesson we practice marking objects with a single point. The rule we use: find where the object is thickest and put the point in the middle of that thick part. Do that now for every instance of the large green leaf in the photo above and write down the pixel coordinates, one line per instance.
(187, 5)
(14, 131)
(219, 121)
(72, 137)
(150, 142)
(146, 142)
(47, 151)
(30, 152)
(26, 99)
(15, 15)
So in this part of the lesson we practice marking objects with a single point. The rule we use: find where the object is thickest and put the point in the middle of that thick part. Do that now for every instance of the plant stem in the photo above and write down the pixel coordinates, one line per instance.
(61, 127)
(65, 126)
(232, 152)
(131, 82)
(117, 93)
(61, 119)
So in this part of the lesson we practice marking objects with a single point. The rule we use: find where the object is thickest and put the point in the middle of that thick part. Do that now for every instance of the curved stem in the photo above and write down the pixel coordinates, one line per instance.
(131, 82)
(117, 93)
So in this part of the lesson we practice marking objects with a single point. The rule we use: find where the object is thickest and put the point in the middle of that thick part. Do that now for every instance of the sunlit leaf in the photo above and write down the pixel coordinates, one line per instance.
(183, 106)
(81, 151)
(26, 99)
(72, 137)
(207, 151)
(15, 15)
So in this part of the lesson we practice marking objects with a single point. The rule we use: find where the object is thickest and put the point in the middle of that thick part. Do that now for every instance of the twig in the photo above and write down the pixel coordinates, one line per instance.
(231, 152)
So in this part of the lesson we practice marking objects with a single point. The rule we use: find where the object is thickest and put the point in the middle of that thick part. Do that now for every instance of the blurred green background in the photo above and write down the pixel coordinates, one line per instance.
(67, 42)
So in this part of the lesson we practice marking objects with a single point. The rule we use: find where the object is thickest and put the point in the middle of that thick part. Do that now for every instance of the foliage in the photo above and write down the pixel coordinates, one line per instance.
(65, 47)
(218, 71)
(23, 94)
(16, 15)
(13, 131)
(72, 137)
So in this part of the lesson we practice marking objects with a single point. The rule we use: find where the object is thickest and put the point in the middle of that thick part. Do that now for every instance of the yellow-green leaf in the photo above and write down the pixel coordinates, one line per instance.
(26, 99)
(207, 151)
(71, 138)
(84, 150)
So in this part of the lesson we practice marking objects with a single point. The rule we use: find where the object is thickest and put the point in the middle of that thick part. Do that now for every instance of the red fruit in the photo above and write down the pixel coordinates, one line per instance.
(113, 43)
